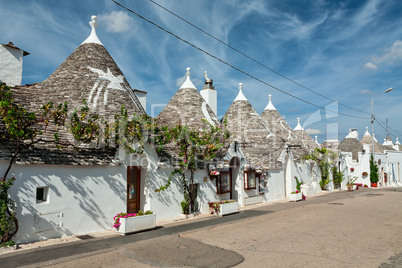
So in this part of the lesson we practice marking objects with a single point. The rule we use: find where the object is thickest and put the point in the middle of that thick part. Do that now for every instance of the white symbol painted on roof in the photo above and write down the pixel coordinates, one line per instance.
(106, 80)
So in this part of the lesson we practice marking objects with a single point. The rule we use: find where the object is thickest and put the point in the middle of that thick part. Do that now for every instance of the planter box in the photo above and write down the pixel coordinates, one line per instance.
(374, 184)
(228, 208)
(351, 187)
(295, 197)
(136, 224)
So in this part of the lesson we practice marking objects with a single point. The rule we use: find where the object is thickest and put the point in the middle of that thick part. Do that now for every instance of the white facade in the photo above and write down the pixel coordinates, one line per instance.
(78, 199)
(210, 97)
(142, 97)
(11, 65)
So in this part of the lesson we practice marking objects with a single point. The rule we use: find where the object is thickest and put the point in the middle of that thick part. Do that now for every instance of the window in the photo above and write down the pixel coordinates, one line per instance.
(223, 184)
(249, 180)
(42, 194)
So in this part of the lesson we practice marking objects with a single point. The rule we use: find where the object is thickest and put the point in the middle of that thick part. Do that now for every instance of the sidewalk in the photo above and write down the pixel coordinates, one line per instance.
(160, 224)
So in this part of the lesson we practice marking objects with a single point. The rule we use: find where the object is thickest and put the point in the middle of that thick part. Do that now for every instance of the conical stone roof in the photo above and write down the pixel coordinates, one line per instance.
(260, 146)
(187, 107)
(89, 74)
(304, 137)
(351, 144)
(366, 140)
(278, 126)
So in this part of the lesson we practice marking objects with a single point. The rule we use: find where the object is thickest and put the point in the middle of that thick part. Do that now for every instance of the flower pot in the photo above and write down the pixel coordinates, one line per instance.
(295, 197)
(374, 184)
(136, 224)
(228, 208)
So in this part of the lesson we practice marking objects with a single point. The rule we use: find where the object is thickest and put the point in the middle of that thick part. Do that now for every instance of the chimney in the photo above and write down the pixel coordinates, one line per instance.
(11, 64)
(209, 94)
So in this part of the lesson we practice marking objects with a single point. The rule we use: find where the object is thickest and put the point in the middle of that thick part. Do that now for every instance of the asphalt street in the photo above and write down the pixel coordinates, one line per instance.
(362, 228)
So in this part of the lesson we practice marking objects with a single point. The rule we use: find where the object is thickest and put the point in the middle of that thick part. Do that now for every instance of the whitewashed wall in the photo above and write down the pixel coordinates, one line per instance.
(363, 165)
(276, 186)
(11, 66)
(80, 199)
(394, 167)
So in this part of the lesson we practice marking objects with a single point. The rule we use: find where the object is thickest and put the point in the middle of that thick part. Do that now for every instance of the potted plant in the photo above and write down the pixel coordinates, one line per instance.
(221, 208)
(364, 174)
(296, 195)
(126, 223)
(373, 173)
(350, 184)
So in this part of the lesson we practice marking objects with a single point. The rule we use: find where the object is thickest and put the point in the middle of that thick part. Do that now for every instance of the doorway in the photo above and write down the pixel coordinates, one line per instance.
(133, 189)
(234, 166)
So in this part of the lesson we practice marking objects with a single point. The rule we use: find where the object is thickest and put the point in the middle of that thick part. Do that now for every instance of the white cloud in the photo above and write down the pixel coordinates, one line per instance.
(313, 131)
(392, 56)
(118, 22)
(365, 92)
(371, 66)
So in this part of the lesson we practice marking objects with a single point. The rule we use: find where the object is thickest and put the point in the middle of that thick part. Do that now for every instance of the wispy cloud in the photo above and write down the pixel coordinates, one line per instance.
(392, 55)
(371, 66)
(118, 22)
(366, 92)
(313, 131)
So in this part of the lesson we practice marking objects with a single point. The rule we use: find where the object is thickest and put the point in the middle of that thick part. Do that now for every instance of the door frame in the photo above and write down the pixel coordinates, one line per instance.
(138, 192)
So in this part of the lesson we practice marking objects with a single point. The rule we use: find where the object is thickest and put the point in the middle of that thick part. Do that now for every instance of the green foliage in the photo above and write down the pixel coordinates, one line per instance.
(7, 244)
(351, 181)
(338, 177)
(325, 159)
(8, 220)
(298, 184)
(185, 206)
(192, 146)
(373, 171)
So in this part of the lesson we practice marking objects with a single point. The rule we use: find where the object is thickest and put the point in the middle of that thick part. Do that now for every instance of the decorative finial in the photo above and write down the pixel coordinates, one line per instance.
(270, 106)
(93, 38)
(208, 82)
(188, 83)
(298, 127)
(366, 128)
(93, 23)
(240, 96)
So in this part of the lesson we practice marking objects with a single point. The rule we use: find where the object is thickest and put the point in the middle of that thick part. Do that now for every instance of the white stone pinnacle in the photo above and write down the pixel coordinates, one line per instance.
(270, 106)
(93, 38)
(240, 96)
(188, 83)
(298, 127)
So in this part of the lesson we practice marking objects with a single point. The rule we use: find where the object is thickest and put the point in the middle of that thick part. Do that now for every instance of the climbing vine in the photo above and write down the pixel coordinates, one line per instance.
(325, 160)
(21, 129)
(192, 147)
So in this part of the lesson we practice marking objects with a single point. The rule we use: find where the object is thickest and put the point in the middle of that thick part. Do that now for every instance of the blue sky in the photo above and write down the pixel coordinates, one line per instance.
(348, 51)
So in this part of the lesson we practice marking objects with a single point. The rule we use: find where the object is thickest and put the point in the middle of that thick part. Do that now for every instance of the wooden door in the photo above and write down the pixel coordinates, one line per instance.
(133, 189)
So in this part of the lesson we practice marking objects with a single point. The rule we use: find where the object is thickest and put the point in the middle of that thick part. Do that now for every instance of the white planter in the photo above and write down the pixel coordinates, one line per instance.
(295, 197)
(228, 208)
(136, 224)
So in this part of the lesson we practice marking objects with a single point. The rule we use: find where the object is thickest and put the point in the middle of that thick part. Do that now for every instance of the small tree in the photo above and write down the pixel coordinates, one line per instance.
(20, 129)
(338, 177)
(373, 171)
(192, 147)
(324, 158)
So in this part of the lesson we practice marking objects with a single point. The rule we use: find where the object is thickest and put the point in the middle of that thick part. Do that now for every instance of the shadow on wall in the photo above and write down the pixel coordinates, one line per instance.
(160, 178)
(74, 204)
